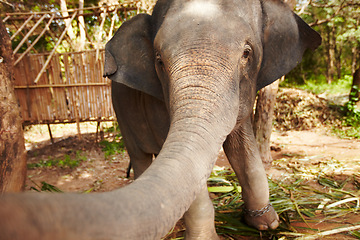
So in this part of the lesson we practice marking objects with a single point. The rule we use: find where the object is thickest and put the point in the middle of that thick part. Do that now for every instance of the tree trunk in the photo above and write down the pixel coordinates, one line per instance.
(65, 13)
(12, 147)
(264, 112)
(354, 55)
(332, 55)
(338, 52)
(81, 26)
(263, 120)
(355, 51)
(355, 89)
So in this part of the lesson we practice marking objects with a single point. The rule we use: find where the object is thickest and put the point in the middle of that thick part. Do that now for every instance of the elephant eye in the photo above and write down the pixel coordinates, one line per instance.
(158, 58)
(247, 51)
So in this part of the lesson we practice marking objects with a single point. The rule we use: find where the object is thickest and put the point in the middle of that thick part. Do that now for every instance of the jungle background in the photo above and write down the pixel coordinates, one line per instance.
(315, 148)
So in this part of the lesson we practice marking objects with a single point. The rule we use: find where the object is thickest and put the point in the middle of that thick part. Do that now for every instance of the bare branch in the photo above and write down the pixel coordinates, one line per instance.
(302, 10)
(5, 2)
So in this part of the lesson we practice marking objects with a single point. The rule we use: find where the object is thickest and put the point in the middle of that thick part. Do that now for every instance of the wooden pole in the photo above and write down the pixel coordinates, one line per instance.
(97, 131)
(63, 85)
(112, 24)
(5, 19)
(35, 41)
(21, 28)
(28, 34)
(95, 13)
(53, 51)
(100, 34)
(51, 136)
(77, 117)
(77, 9)
(54, 36)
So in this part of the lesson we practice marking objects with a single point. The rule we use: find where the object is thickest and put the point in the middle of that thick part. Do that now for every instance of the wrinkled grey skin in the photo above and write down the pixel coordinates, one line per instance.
(184, 83)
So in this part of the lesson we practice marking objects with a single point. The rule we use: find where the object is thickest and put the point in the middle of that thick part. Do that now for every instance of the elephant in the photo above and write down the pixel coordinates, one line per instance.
(184, 81)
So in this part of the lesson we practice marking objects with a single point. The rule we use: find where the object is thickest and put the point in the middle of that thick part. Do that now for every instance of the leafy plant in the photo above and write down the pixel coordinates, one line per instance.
(112, 147)
(113, 129)
(45, 187)
(352, 115)
(114, 143)
(66, 162)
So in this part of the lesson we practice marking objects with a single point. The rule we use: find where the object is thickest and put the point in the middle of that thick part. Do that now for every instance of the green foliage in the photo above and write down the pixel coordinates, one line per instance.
(337, 22)
(351, 116)
(319, 85)
(45, 187)
(113, 129)
(350, 126)
(114, 146)
(293, 199)
(67, 161)
(356, 234)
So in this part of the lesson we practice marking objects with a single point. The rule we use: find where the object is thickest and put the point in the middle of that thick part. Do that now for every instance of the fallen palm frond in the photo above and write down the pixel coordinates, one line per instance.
(327, 233)
(298, 202)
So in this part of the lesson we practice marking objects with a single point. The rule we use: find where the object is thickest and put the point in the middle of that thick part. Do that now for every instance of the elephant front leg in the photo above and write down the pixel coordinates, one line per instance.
(199, 219)
(242, 152)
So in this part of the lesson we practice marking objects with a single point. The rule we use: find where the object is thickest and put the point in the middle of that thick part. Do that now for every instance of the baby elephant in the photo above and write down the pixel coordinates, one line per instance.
(184, 82)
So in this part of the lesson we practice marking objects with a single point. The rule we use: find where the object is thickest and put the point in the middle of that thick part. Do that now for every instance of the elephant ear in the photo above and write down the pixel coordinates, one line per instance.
(129, 57)
(285, 38)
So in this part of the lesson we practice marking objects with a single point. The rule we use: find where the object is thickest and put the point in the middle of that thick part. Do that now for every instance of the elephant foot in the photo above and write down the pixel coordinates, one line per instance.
(263, 219)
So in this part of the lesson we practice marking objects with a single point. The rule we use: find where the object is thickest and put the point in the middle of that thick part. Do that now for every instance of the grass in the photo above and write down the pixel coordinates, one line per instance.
(347, 131)
(320, 85)
(113, 145)
(351, 117)
(294, 199)
(303, 198)
(67, 161)
(45, 187)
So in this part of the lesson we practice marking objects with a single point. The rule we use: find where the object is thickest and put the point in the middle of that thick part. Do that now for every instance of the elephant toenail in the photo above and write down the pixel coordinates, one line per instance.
(274, 224)
(262, 227)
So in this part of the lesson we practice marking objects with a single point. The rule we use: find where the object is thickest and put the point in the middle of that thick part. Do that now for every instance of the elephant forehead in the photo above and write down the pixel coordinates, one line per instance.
(201, 8)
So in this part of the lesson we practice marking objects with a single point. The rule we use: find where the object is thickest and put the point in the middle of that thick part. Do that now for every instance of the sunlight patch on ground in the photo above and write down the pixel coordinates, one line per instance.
(85, 175)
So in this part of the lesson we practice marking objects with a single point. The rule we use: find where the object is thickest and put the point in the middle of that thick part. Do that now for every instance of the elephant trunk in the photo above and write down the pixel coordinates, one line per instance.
(202, 115)
(203, 111)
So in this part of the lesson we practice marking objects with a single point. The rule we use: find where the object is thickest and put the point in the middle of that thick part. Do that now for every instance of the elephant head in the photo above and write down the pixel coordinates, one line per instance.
(209, 57)
(205, 59)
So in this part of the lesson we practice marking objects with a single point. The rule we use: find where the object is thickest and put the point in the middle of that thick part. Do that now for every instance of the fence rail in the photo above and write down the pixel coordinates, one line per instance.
(71, 89)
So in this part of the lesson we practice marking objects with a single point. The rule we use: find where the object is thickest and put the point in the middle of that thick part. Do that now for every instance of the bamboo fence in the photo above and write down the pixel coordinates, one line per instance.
(66, 87)
(56, 87)
(71, 89)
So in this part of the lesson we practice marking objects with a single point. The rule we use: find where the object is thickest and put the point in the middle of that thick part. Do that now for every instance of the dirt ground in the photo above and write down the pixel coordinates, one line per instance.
(342, 156)
(95, 174)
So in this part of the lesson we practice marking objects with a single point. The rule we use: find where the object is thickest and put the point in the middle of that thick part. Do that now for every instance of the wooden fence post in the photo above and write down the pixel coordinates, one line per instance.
(51, 136)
